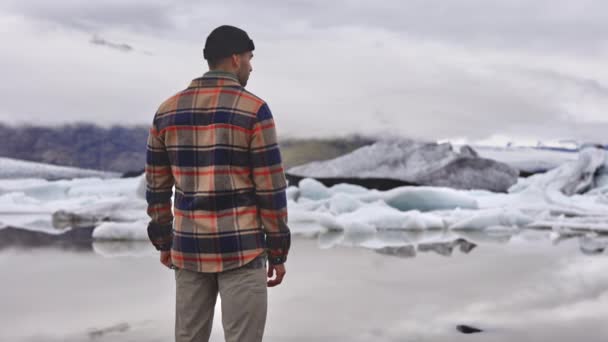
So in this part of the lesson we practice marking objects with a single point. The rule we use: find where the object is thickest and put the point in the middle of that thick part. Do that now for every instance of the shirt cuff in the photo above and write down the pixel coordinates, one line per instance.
(276, 259)
(161, 235)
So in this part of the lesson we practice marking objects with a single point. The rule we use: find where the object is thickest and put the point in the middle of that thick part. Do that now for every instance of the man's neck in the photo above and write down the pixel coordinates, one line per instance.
(222, 71)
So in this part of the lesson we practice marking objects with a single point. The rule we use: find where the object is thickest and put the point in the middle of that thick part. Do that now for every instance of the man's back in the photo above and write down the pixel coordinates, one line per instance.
(216, 143)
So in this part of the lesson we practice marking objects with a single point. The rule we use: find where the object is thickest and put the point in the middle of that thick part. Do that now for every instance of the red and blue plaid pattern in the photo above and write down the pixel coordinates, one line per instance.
(216, 144)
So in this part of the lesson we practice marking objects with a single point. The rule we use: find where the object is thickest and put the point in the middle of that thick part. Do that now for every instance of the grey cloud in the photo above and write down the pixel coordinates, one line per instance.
(142, 16)
(559, 24)
(410, 67)
(543, 24)
(577, 27)
(97, 40)
(586, 84)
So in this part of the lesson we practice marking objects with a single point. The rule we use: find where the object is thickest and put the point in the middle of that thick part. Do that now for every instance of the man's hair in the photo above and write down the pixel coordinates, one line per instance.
(214, 63)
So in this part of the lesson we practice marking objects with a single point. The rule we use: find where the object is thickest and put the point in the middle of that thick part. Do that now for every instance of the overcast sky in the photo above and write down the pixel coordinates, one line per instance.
(461, 69)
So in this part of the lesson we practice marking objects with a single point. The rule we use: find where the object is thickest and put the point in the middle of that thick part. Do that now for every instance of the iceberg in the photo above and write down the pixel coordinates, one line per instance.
(569, 200)
(427, 199)
(572, 196)
(416, 163)
(561, 189)
(20, 169)
(314, 194)
(53, 206)
(493, 218)
(130, 231)
(380, 215)
(592, 244)
(528, 160)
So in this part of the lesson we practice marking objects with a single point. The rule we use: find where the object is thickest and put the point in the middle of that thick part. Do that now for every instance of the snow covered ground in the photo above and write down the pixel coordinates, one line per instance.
(13, 168)
(570, 198)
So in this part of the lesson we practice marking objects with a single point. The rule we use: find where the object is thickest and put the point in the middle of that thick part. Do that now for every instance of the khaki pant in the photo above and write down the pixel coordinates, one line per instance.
(244, 300)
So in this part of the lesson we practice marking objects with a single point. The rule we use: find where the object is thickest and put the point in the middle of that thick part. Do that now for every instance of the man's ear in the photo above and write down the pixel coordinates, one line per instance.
(236, 60)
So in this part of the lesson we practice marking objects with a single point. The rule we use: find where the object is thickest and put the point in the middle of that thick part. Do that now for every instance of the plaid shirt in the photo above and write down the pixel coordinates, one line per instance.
(216, 144)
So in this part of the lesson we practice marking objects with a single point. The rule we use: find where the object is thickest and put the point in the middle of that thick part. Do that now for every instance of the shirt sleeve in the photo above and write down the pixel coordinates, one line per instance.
(159, 191)
(270, 184)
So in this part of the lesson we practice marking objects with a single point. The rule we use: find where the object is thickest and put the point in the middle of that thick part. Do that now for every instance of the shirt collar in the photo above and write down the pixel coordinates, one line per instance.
(215, 79)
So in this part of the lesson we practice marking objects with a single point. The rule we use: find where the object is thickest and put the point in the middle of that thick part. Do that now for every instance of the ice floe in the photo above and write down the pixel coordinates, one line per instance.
(417, 163)
(570, 199)
(14, 168)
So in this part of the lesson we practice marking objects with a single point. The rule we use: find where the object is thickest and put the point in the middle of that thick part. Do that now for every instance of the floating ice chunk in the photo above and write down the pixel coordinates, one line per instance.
(329, 222)
(127, 187)
(351, 189)
(380, 215)
(592, 244)
(601, 178)
(313, 189)
(558, 186)
(303, 221)
(402, 198)
(141, 187)
(49, 191)
(342, 203)
(568, 225)
(527, 159)
(428, 198)
(583, 171)
(18, 202)
(122, 231)
(492, 218)
(15, 169)
(10, 185)
(292, 193)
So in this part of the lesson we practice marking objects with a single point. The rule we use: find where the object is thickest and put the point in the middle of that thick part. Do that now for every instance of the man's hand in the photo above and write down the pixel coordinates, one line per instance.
(280, 273)
(165, 258)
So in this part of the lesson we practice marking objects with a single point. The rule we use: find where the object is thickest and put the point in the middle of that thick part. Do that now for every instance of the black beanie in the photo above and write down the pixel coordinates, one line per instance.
(225, 41)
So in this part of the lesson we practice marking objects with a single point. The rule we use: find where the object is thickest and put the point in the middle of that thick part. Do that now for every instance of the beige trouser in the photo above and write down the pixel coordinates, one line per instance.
(244, 302)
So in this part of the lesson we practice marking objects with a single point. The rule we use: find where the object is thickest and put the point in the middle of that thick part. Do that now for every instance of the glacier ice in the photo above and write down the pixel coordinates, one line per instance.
(562, 188)
(571, 199)
(20, 169)
(131, 231)
(428, 198)
(403, 198)
(51, 205)
(342, 203)
(528, 160)
(493, 218)
(313, 189)
(417, 163)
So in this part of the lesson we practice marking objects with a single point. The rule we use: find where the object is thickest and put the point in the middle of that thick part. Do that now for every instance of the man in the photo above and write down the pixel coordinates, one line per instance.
(216, 144)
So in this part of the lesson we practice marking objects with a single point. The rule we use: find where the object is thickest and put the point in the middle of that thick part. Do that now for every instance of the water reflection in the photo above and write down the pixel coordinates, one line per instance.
(407, 244)
(516, 286)
(398, 243)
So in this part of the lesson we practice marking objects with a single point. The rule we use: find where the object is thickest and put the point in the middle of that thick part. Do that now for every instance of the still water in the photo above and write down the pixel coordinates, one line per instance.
(524, 287)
